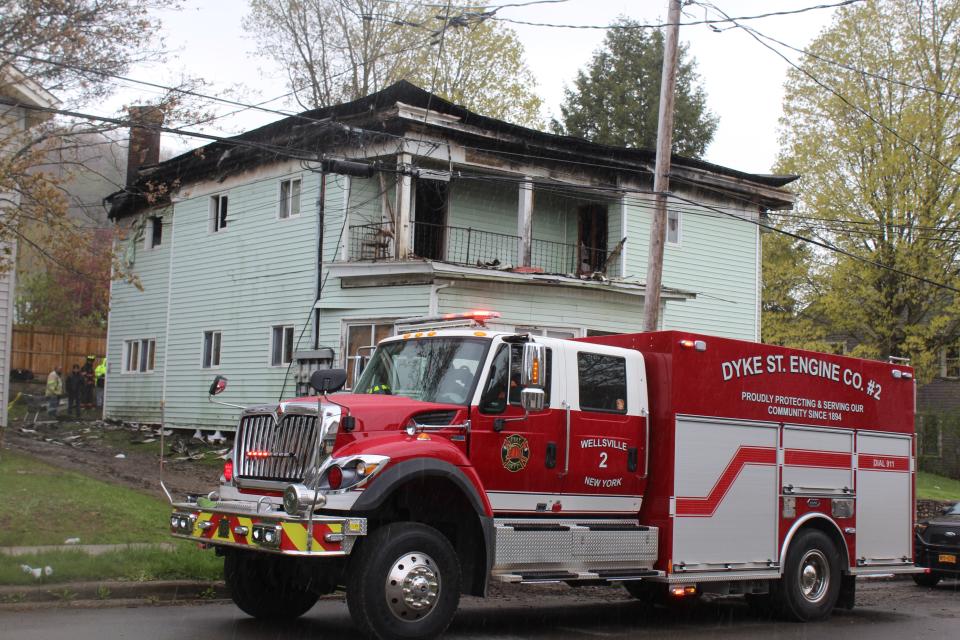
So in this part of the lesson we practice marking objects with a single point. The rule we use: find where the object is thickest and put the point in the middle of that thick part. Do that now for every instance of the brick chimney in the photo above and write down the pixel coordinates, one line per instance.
(144, 142)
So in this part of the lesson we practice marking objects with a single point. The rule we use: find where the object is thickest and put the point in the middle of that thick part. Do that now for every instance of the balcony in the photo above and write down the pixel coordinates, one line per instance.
(469, 247)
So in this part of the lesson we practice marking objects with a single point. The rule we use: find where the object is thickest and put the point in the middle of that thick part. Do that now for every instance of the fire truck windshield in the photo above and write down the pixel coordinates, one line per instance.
(428, 369)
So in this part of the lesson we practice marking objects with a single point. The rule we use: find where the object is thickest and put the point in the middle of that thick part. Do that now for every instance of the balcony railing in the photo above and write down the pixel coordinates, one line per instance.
(471, 247)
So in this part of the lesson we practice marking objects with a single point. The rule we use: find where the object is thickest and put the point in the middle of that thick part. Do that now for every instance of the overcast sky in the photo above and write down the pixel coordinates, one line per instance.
(742, 79)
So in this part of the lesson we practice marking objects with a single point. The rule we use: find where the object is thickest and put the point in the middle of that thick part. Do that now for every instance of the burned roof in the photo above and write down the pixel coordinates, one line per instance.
(308, 134)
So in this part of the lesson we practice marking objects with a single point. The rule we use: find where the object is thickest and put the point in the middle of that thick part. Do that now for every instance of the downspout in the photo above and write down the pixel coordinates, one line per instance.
(321, 206)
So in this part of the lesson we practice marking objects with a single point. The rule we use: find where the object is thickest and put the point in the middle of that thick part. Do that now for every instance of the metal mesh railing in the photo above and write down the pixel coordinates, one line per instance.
(472, 247)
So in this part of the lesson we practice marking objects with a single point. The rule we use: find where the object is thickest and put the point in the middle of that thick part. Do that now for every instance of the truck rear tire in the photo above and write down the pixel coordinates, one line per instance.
(266, 586)
(404, 582)
(810, 584)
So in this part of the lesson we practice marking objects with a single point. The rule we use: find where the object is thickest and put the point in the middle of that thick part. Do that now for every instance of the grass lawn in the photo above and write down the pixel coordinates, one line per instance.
(186, 562)
(44, 505)
(934, 487)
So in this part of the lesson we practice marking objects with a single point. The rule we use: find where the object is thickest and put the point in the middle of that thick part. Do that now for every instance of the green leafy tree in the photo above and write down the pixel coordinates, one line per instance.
(872, 124)
(338, 50)
(790, 293)
(615, 100)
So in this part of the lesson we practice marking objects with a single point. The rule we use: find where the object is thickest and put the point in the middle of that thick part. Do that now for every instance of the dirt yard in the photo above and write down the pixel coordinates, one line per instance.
(127, 454)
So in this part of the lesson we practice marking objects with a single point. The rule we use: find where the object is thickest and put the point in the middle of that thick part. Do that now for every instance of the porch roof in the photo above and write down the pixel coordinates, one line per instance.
(412, 272)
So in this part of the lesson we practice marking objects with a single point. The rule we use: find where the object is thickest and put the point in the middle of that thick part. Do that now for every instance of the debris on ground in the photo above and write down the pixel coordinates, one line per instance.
(72, 541)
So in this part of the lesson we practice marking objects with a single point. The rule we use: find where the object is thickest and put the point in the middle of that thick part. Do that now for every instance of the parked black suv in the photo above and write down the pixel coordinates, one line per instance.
(937, 546)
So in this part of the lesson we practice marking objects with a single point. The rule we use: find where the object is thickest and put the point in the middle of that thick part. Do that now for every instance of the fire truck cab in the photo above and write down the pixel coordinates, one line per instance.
(669, 462)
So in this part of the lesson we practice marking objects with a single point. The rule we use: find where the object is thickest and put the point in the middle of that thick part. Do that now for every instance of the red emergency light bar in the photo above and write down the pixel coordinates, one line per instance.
(258, 454)
(478, 316)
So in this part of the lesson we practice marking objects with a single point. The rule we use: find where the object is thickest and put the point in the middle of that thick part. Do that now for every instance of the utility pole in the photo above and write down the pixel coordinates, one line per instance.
(661, 178)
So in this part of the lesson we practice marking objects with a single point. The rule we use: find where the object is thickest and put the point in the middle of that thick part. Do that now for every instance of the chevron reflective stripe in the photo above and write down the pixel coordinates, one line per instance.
(293, 535)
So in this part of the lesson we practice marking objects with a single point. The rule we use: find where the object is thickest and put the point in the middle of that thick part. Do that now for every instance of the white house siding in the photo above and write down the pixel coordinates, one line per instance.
(257, 273)
(716, 259)
(7, 287)
(136, 314)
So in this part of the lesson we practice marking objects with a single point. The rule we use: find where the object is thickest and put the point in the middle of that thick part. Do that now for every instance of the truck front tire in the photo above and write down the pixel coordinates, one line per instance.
(810, 584)
(266, 586)
(404, 582)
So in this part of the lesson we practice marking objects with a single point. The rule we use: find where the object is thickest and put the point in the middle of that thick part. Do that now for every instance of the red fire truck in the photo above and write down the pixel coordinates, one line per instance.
(672, 463)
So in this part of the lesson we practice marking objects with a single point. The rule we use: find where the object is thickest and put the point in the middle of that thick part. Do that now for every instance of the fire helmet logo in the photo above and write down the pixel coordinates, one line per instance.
(515, 453)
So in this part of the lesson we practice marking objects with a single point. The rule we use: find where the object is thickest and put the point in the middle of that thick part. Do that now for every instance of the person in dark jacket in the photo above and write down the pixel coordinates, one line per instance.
(89, 383)
(74, 391)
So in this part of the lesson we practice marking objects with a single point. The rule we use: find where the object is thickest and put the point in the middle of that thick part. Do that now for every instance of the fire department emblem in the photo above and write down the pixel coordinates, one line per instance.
(515, 452)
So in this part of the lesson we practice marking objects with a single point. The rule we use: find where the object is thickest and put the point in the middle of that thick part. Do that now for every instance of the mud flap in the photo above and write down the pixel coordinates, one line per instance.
(848, 591)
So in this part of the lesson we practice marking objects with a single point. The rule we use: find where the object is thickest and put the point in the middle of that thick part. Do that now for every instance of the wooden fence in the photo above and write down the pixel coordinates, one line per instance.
(40, 350)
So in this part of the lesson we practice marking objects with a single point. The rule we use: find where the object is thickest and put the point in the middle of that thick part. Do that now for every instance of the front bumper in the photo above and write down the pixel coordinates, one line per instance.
(240, 525)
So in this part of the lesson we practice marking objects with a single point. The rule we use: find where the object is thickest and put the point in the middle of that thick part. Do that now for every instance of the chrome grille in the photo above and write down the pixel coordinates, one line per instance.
(288, 444)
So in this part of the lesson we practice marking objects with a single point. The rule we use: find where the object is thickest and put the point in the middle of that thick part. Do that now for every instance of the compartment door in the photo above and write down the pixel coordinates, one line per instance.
(725, 490)
(884, 499)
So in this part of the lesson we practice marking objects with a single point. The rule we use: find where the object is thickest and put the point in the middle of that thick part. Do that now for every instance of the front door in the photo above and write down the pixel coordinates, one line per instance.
(517, 458)
(607, 432)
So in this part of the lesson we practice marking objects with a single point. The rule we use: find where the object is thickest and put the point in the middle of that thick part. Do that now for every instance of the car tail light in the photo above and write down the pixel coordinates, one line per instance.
(228, 470)
(335, 477)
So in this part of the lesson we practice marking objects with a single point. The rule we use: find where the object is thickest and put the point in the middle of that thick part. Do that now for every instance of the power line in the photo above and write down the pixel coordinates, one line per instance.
(659, 25)
(835, 92)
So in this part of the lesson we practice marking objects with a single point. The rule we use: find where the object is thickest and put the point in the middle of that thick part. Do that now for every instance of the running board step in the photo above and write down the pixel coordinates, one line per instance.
(605, 575)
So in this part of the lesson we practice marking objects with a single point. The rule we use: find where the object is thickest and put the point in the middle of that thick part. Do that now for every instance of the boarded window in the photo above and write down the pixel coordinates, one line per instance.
(603, 382)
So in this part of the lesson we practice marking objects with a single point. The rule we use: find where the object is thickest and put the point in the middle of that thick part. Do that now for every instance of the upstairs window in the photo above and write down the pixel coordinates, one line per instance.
(218, 212)
(289, 198)
(603, 382)
(211, 349)
(281, 346)
(950, 367)
(154, 232)
(673, 227)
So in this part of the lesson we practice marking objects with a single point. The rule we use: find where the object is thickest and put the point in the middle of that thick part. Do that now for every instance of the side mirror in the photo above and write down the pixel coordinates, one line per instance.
(219, 386)
(328, 380)
(532, 400)
(533, 370)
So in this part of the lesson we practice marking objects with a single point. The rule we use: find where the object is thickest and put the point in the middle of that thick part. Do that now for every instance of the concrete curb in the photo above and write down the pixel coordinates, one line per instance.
(111, 593)
(90, 549)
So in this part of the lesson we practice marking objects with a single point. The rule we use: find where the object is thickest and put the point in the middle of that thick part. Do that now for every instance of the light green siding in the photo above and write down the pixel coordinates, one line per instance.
(257, 273)
(547, 306)
(135, 314)
(716, 259)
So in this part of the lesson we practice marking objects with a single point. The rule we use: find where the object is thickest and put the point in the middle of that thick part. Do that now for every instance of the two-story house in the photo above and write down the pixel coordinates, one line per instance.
(251, 250)
(16, 92)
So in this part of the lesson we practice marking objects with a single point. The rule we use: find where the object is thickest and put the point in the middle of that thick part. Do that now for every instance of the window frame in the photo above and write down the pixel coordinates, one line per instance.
(145, 347)
(946, 362)
(346, 325)
(626, 384)
(484, 381)
(153, 222)
(218, 214)
(203, 348)
(284, 328)
(679, 239)
(285, 212)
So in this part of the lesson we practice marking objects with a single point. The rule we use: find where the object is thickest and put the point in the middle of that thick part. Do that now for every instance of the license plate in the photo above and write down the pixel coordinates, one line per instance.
(947, 558)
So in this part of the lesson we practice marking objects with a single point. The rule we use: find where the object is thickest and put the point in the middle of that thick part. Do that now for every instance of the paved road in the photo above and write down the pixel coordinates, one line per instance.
(894, 610)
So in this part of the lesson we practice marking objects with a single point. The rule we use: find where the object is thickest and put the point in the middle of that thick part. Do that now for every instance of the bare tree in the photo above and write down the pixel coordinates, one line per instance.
(338, 50)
